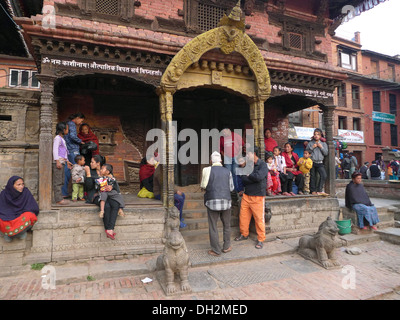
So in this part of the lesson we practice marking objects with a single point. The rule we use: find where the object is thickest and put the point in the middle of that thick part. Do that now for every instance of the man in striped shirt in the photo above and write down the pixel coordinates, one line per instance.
(218, 183)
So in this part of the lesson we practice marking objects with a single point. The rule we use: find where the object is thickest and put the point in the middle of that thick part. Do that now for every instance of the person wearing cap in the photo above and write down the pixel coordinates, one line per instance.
(218, 183)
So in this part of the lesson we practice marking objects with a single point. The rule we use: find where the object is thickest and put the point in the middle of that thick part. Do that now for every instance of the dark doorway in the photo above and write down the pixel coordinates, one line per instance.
(205, 108)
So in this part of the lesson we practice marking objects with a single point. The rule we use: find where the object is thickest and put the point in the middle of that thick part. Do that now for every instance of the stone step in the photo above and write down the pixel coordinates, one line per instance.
(202, 223)
(390, 234)
(191, 204)
(195, 213)
(145, 265)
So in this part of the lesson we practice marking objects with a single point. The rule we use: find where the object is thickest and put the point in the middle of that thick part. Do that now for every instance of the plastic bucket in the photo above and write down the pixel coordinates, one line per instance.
(344, 226)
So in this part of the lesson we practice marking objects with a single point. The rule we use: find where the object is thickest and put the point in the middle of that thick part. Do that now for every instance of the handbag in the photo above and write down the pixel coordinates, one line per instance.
(89, 146)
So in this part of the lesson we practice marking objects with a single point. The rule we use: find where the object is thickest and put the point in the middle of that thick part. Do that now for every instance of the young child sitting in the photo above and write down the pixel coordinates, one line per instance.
(78, 178)
(273, 172)
(305, 164)
(107, 179)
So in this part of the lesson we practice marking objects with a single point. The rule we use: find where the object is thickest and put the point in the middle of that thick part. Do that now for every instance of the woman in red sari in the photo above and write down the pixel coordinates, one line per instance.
(18, 209)
(87, 135)
(292, 171)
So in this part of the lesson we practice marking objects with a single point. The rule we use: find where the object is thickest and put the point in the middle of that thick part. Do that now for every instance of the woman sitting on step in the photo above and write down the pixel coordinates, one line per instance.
(18, 209)
(111, 206)
(358, 200)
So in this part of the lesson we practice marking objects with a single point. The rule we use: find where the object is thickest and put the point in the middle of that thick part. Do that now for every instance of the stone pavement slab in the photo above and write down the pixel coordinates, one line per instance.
(274, 272)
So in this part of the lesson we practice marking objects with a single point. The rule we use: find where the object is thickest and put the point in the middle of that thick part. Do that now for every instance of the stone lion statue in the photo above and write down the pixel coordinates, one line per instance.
(321, 246)
(175, 259)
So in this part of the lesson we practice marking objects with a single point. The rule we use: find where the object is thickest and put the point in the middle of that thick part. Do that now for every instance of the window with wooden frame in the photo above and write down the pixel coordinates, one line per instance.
(377, 133)
(342, 123)
(357, 124)
(23, 79)
(204, 15)
(108, 9)
(341, 93)
(295, 41)
(376, 100)
(392, 104)
(347, 59)
(355, 95)
(208, 16)
(393, 135)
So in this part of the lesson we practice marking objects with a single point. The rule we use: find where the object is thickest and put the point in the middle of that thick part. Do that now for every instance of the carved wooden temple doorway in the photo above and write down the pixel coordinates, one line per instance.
(224, 59)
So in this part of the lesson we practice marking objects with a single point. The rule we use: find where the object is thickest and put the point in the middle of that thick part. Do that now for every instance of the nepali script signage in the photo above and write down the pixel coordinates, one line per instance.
(383, 117)
(105, 67)
(314, 93)
(351, 136)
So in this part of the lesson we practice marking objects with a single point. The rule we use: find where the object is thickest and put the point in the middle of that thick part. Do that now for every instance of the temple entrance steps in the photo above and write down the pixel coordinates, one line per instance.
(195, 217)
(291, 216)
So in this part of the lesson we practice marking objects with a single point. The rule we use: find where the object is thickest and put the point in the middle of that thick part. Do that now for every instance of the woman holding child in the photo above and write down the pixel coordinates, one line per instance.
(292, 171)
(111, 206)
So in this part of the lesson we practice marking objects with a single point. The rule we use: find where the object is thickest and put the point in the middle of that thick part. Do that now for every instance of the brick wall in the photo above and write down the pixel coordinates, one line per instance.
(115, 155)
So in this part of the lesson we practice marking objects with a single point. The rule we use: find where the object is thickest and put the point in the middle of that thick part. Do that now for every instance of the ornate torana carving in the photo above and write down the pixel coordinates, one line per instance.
(228, 37)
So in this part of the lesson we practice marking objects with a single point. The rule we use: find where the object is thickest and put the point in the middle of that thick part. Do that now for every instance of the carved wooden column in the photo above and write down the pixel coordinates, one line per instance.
(46, 141)
(166, 109)
(257, 121)
(330, 164)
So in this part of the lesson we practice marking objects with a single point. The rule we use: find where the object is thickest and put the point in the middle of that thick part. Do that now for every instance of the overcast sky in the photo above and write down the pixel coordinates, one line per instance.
(379, 28)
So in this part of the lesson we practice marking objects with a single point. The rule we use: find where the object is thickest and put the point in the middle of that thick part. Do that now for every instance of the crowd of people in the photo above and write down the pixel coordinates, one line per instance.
(278, 174)
(376, 170)
(80, 171)
(77, 163)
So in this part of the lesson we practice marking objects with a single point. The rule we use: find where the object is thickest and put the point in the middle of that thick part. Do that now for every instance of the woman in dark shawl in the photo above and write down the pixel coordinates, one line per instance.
(358, 200)
(18, 209)
(89, 138)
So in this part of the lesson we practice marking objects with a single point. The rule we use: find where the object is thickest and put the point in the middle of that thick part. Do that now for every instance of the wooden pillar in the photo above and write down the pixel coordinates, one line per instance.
(257, 121)
(330, 164)
(166, 110)
(46, 141)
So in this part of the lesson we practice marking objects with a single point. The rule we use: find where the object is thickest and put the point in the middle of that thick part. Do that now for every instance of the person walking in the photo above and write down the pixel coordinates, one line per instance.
(253, 201)
(218, 183)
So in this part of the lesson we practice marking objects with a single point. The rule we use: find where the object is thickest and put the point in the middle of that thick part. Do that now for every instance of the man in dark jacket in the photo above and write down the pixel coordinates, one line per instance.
(253, 201)
(374, 172)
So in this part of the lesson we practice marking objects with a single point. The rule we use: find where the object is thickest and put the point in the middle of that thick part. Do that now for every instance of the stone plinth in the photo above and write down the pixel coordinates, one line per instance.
(78, 234)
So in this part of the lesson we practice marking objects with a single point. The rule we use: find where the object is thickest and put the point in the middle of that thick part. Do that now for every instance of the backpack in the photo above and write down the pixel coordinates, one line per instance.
(346, 163)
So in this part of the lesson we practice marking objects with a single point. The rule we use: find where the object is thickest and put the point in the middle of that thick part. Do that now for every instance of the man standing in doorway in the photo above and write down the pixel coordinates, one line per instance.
(231, 145)
(218, 183)
(253, 201)
(73, 145)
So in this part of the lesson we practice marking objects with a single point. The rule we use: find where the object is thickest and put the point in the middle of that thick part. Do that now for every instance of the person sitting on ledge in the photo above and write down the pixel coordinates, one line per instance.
(357, 199)
(18, 209)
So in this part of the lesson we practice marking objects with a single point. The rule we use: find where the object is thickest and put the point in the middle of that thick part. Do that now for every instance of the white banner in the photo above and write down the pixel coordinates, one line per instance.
(301, 133)
(351, 136)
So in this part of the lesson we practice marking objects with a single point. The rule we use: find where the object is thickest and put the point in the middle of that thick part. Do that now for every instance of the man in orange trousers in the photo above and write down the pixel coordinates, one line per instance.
(253, 201)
